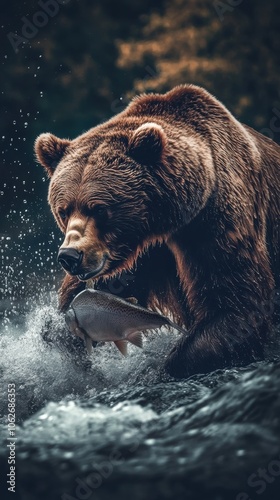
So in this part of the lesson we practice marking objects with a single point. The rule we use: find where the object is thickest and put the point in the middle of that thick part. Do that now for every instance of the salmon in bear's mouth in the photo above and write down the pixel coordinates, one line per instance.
(95, 272)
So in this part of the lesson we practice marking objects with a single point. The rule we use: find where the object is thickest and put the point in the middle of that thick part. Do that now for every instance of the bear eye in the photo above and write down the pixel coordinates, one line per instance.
(62, 214)
(99, 212)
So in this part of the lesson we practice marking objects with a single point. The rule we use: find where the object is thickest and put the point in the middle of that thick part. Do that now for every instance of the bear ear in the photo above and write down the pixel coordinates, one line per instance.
(49, 150)
(147, 143)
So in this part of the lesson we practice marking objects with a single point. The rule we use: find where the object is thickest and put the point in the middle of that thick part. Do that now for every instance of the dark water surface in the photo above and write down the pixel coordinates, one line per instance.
(108, 427)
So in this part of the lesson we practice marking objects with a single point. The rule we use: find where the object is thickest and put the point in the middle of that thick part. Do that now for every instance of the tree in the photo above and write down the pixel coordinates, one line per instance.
(232, 48)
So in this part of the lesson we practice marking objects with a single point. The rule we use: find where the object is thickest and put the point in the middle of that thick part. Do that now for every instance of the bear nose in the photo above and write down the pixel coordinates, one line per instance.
(70, 259)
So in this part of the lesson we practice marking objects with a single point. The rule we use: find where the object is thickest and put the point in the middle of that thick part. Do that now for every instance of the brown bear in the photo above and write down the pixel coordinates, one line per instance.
(179, 193)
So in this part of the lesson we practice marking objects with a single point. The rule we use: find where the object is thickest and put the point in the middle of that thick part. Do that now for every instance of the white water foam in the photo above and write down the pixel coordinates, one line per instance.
(43, 371)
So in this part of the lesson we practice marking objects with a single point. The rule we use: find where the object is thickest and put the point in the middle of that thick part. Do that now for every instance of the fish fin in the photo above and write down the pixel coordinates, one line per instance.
(80, 333)
(122, 346)
(131, 300)
(136, 338)
(88, 344)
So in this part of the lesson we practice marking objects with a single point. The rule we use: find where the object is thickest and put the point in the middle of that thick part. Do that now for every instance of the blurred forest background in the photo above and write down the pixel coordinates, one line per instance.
(68, 66)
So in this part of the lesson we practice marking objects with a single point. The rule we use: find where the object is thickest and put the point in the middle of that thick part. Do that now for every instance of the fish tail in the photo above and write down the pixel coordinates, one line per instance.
(177, 327)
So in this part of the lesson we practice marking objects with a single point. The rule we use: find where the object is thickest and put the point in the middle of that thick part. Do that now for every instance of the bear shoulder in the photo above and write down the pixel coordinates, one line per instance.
(182, 102)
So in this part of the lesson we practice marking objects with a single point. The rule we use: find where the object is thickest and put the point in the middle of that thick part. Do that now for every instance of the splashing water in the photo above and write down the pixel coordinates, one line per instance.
(46, 366)
(105, 424)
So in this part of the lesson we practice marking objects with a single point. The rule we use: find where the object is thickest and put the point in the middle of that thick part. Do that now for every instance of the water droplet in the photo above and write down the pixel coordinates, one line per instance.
(43, 417)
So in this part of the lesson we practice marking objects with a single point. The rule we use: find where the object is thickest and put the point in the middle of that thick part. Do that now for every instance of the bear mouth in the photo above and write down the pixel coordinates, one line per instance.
(95, 272)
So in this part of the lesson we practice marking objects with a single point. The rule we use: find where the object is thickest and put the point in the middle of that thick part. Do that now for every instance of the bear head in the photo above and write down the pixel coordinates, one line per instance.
(110, 195)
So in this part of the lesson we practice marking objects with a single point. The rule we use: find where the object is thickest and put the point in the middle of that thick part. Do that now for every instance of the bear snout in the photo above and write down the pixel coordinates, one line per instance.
(70, 259)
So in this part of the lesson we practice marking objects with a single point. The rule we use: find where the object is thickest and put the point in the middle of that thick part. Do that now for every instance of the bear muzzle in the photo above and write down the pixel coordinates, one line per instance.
(82, 253)
(72, 259)
(94, 271)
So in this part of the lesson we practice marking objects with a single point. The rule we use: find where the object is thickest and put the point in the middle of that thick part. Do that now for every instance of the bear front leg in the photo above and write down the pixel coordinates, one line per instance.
(228, 341)
(70, 287)
(229, 286)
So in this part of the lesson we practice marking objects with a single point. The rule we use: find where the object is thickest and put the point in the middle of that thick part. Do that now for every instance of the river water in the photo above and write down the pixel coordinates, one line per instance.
(108, 427)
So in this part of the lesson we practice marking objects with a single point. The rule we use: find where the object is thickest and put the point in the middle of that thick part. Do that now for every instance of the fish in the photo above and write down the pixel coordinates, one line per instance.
(98, 316)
